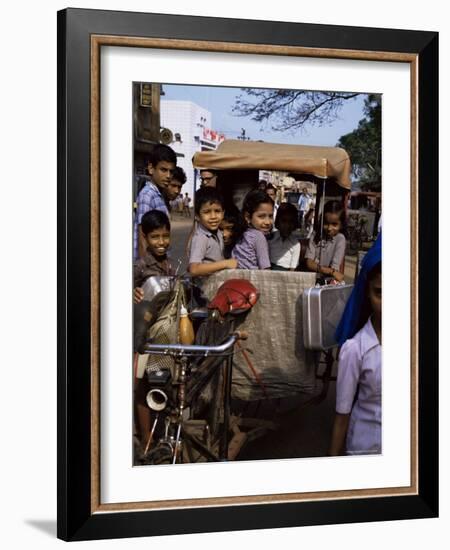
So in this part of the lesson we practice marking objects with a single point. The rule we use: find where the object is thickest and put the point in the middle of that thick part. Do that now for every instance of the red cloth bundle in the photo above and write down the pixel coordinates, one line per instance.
(234, 296)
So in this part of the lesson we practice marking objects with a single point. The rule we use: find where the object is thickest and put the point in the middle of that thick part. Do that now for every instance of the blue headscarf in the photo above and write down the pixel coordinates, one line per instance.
(348, 325)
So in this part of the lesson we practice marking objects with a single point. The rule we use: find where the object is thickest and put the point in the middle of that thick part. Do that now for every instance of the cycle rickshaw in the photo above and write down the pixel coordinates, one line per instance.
(268, 366)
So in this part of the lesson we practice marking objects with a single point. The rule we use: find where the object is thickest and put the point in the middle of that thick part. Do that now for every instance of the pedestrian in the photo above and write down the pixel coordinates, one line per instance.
(186, 205)
(304, 201)
(180, 205)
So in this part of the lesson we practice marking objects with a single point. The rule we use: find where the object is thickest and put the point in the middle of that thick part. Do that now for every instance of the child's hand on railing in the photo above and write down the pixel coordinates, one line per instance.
(231, 263)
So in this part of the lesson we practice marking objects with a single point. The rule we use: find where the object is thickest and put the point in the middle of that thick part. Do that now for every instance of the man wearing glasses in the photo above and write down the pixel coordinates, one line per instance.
(208, 178)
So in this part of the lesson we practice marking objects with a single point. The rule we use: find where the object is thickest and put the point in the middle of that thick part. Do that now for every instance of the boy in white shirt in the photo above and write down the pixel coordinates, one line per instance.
(284, 247)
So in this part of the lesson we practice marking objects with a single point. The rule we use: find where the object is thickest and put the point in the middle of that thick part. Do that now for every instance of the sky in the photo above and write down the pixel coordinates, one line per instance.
(219, 101)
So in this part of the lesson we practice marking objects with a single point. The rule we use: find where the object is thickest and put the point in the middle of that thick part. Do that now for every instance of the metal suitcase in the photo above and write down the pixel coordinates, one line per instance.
(322, 310)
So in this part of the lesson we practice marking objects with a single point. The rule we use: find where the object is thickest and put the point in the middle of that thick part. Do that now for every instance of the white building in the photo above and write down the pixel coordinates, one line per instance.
(191, 127)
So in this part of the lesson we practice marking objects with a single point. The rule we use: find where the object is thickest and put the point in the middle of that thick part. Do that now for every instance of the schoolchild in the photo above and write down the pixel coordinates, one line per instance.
(153, 195)
(155, 226)
(284, 247)
(357, 425)
(325, 256)
(156, 229)
(207, 246)
(174, 186)
(251, 249)
(231, 228)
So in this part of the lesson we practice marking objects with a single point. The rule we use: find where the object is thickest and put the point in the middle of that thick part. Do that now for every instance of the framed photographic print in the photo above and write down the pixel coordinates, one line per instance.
(201, 392)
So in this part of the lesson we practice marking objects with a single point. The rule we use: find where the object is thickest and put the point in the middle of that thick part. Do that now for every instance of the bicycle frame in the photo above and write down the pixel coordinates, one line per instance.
(188, 387)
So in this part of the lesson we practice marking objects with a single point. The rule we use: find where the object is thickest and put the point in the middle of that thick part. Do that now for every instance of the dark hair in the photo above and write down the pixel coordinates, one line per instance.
(262, 182)
(154, 219)
(376, 270)
(269, 186)
(161, 152)
(253, 199)
(332, 207)
(179, 175)
(232, 215)
(214, 172)
(205, 195)
(287, 210)
(366, 308)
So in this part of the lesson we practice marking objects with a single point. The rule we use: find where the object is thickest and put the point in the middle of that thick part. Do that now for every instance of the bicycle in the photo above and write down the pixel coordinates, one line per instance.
(174, 397)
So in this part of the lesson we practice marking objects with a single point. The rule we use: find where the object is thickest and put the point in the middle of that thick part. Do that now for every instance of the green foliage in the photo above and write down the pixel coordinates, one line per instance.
(364, 146)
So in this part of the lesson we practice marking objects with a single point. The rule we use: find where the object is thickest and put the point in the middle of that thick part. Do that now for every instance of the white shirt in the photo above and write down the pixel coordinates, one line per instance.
(360, 370)
(284, 253)
(303, 202)
(275, 210)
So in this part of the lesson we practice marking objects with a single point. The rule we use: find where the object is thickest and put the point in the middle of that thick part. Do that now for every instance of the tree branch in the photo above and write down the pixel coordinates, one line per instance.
(290, 109)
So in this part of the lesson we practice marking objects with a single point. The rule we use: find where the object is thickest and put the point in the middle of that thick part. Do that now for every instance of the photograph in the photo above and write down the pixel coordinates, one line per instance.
(229, 325)
(257, 221)
(226, 204)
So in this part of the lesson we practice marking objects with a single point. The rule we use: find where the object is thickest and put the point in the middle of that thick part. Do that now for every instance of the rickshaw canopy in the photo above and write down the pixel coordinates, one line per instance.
(321, 162)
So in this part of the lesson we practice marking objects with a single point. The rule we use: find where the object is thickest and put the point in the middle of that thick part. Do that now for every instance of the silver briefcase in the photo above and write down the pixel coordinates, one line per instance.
(322, 310)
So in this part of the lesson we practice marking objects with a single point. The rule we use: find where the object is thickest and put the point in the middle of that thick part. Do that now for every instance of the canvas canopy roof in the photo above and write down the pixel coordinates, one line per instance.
(322, 162)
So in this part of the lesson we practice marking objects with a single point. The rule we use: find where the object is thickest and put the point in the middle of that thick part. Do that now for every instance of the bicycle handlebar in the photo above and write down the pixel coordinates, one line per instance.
(180, 349)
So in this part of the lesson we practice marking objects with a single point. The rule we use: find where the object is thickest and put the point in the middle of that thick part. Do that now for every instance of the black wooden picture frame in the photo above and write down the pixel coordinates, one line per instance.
(81, 34)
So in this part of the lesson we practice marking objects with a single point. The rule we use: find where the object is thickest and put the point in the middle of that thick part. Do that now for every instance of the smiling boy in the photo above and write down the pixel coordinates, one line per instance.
(206, 255)
(153, 195)
(155, 227)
